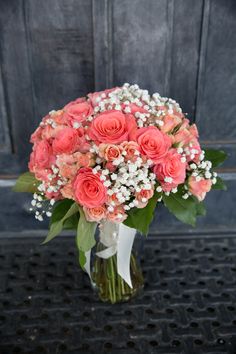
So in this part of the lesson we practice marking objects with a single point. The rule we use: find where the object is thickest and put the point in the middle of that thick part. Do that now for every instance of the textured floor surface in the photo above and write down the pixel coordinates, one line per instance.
(188, 304)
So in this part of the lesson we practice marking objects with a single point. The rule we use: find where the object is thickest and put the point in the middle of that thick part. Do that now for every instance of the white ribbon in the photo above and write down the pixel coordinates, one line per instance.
(119, 239)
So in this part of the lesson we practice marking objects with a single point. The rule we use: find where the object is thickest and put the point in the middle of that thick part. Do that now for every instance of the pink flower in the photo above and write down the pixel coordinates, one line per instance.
(134, 108)
(110, 152)
(170, 122)
(67, 191)
(41, 156)
(96, 95)
(36, 136)
(117, 215)
(89, 190)
(84, 160)
(78, 110)
(132, 150)
(143, 196)
(67, 166)
(153, 143)
(112, 127)
(65, 141)
(199, 188)
(95, 214)
(171, 171)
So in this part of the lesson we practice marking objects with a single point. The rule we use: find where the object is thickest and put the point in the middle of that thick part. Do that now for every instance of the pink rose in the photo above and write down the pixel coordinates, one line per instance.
(134, 108)
(199, 188)
(117, 215)
(170, 122)
(132, 150)
(84, 160)
(170, 168)
(153, 143)
(95, 96)
(110, 152)
(112, 127)
(36, 136)
(65, 141)
(67, 191)
(41, 156)
(82, 143)
(78, 110)
(89, 190)
(143, 196)
(95, 214)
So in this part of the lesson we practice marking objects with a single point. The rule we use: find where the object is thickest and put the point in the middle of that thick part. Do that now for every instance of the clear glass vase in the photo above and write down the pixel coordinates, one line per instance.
(106, 281)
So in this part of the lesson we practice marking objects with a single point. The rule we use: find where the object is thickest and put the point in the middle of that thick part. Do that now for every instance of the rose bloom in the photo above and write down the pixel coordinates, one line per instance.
(67, 191)
(170, 122)
(84, 160)
(143, 196)
(36, 136)
(95, 214)
(65, 141)
(41, 156)
(112, 127)
(96, 95)
(171, 166)
(89, 190)
(153, 143)
(117, 215)
(131, 148)
(199, 188)
(110, 152)
(78, 110)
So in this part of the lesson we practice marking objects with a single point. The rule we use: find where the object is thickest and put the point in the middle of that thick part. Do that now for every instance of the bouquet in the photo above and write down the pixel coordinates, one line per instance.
(104, 162)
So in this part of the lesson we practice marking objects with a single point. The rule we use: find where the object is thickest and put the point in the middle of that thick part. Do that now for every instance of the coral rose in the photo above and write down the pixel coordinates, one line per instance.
(89, 190)
(171, 168)
(65, 141)
(153, 143)
(199, 188)
(95, 214)
(143, 196)
(110, 152)
(41, 156)
(132, 150)
(117, 215)
(78, 111)
(112, 127)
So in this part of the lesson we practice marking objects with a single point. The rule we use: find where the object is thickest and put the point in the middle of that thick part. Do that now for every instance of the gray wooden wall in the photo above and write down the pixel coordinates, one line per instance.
(52, 51)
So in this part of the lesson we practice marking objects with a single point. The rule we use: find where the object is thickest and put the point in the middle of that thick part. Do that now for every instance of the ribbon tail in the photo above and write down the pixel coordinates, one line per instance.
(108, 252)
(124, 248)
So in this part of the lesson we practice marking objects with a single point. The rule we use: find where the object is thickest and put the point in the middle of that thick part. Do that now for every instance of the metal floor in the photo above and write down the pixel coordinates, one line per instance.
(188, 304)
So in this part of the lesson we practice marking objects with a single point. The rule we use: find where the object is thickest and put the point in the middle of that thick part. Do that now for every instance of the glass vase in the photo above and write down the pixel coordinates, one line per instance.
(106, 281)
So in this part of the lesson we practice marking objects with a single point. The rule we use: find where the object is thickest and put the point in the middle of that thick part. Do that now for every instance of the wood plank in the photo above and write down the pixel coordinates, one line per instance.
(141, 32)
(102, 44)
(185, 53)
(61, 51)
(16, 75)
(216, 109)
(5, 139)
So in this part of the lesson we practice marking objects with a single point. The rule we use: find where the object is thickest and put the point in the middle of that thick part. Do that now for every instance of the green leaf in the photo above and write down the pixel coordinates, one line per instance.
(140, 219)
(26, 183)
(216, 157)
(82, 258)
(200, 208)
(220, 184)
(85, 233)
(57, 226)
(183, 209)
(59, 211)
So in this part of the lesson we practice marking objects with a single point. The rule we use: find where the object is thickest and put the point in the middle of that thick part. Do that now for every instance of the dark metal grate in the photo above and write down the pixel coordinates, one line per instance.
(188, 306)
